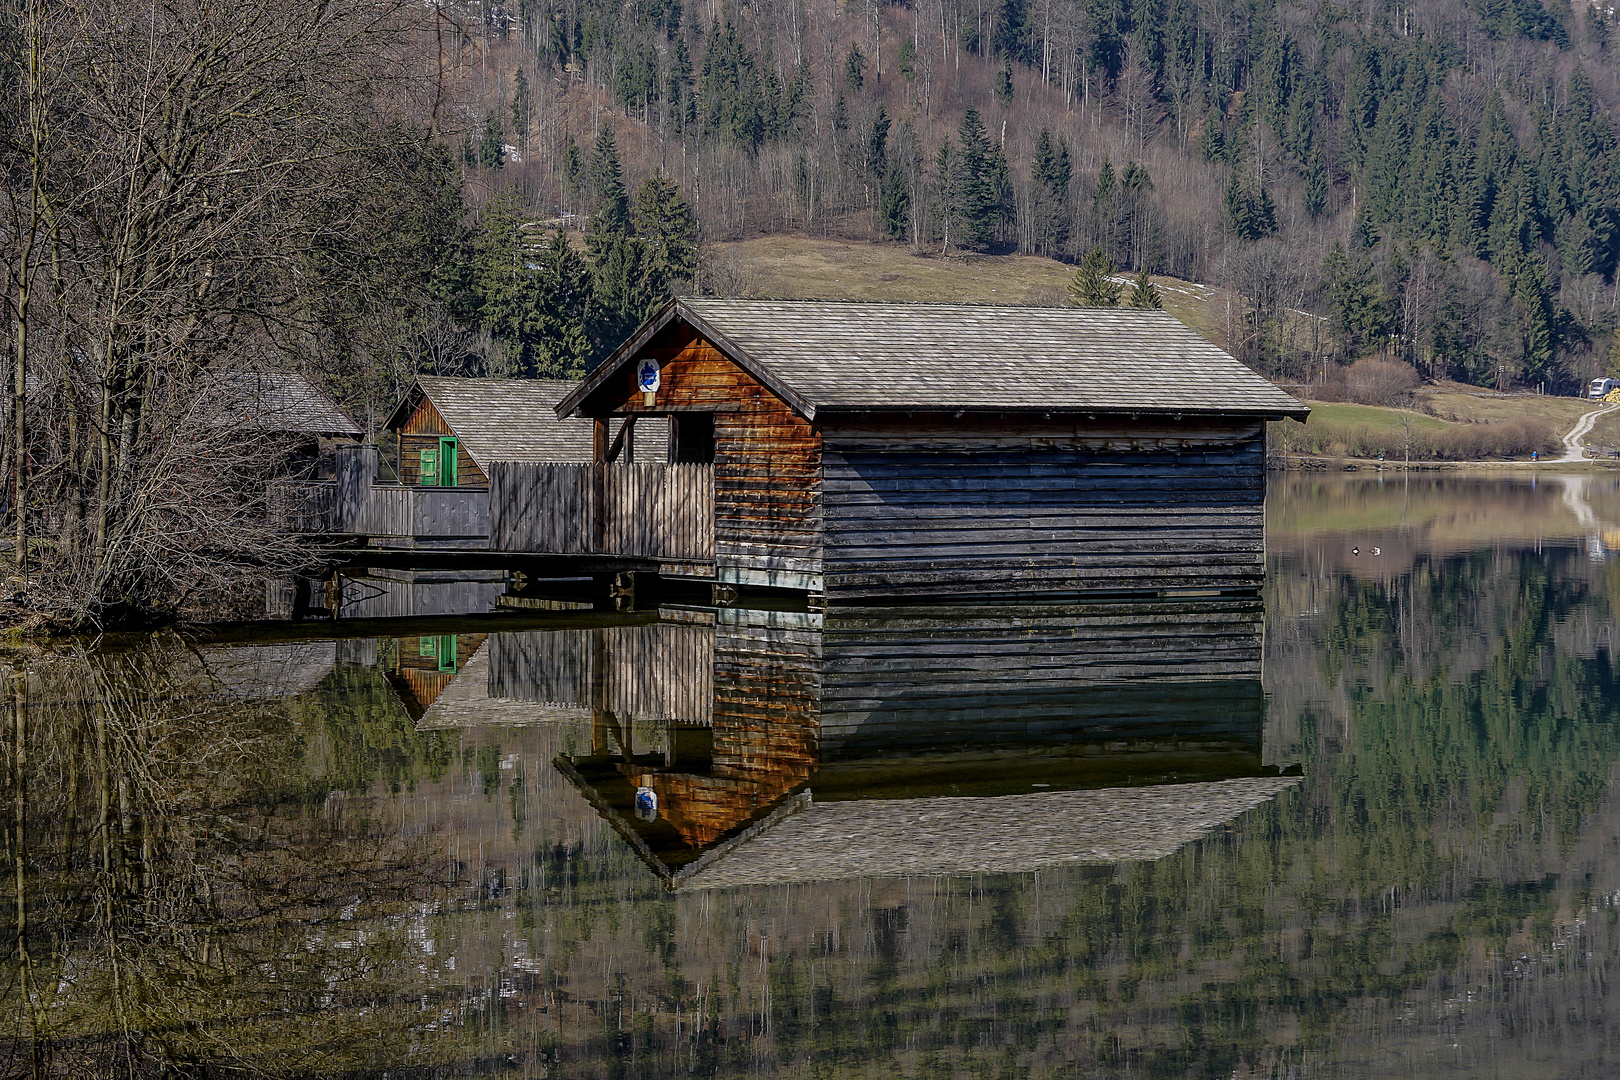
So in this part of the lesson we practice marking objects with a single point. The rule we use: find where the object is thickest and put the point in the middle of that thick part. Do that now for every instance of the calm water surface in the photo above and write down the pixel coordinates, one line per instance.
(1369, 830)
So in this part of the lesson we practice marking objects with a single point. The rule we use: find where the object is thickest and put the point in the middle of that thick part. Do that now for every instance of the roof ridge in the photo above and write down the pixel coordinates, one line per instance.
(870, 302)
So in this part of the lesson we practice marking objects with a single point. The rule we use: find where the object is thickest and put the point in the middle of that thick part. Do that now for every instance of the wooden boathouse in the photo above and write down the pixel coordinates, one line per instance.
(872, 450)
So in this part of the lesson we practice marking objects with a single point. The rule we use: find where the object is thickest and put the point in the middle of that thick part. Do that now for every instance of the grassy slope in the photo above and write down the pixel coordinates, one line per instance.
(801, 268)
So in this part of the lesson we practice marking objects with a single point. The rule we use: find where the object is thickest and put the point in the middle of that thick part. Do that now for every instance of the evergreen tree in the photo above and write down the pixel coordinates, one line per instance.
(1004, 84)
(976, 189)
(1538, 330)
(1052, 172)
(1211, 139)
(1316, 186)
(894, 205)
(877, 143)
(1359, 310)
(558, 319)
(522, 104)
(1144, 294)
(1010, 40)
(1250, 213)
(573, 172)
(907, 65)
(663, 222)
(947, 196)
(1090, 286)
(855, 67)
(610, 220)
(492, 146)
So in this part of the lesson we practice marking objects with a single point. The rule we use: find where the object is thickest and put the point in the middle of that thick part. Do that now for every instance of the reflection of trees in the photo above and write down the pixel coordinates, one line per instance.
(184, 888)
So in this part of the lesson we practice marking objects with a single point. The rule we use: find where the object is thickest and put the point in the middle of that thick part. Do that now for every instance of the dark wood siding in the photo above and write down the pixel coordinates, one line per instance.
(421, 432)
(1020, 505)
(767, 461)
(1166, 672)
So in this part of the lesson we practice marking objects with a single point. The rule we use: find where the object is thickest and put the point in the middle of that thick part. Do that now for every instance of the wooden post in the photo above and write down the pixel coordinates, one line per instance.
(599, 439)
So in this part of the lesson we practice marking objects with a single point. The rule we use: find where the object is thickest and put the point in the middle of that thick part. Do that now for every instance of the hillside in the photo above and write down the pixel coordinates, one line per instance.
(1440, 183)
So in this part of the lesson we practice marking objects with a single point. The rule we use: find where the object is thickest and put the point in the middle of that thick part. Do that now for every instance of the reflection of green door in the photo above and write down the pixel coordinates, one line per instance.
(447, 462)
(441, 647)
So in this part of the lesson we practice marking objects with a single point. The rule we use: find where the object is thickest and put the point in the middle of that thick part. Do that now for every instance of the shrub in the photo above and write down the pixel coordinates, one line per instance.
(1455, 442)
(1380, 382)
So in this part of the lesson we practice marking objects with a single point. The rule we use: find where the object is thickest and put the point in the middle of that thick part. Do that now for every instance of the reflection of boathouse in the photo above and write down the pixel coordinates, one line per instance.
(789, 746)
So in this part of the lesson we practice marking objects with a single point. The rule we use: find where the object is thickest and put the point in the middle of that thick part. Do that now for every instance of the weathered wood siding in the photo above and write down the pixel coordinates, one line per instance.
(1015, 505)
(767, 461)
(647, 511)
(421, 432)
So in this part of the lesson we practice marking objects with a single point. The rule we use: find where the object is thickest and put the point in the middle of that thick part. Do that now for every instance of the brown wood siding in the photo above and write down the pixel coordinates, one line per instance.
(767, 459)
(1015, 505)
(421, 432)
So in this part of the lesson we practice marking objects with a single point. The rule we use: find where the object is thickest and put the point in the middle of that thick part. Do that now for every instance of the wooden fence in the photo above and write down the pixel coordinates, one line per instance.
(646, 511)
(303, 507)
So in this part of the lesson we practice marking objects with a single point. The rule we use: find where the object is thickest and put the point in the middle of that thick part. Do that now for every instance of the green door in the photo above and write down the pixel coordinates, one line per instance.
(447, 461)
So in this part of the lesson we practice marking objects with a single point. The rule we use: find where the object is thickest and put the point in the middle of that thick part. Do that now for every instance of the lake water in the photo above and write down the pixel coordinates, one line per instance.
(1367, 828)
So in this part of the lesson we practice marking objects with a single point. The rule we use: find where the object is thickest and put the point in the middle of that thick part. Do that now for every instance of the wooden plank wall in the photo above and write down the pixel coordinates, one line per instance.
(382, 598)
(914, 507)
(555, 667)
(767, 459)
(893, 678)
(447, 513)
(420, 432)
(388, 512)
(649, 511)
(426, 513)
(304, 506)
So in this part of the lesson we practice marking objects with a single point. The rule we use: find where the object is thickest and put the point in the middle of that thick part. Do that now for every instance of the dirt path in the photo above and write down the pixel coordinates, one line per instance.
(1573, 451)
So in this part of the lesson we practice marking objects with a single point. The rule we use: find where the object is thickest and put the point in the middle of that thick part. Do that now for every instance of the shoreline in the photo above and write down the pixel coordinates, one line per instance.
(1302, 463)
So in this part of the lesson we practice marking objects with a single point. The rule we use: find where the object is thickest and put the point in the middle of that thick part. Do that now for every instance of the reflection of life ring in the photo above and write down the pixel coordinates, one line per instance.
(646, 804)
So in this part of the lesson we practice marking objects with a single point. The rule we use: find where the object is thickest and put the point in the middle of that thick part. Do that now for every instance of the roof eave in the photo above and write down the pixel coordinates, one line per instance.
(407, 404)
(569, 405)
(798, 402)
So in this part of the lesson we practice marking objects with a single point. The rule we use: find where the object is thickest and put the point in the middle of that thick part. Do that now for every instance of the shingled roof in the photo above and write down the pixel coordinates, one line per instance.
(283, 401)
(826, 356)
(502, 419)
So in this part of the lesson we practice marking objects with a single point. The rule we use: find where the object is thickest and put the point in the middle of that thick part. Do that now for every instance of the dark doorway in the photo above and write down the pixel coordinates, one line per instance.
(691, 438)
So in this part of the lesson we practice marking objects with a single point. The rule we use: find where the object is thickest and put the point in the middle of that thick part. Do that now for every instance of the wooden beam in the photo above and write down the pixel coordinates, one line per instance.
(599, 439)
(623, 441)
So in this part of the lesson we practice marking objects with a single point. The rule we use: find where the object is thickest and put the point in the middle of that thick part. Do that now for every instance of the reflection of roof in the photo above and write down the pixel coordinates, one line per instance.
(466, 702)
(264, 672)
(502, 419)
(284, 401)
(1013, 833)
(824, 356)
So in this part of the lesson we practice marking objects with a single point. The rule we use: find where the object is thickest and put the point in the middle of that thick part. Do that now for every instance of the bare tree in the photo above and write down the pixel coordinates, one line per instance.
(193, 203)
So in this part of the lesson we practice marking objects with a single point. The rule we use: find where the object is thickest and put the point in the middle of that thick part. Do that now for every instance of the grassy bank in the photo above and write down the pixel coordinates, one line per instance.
(1365, 431)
